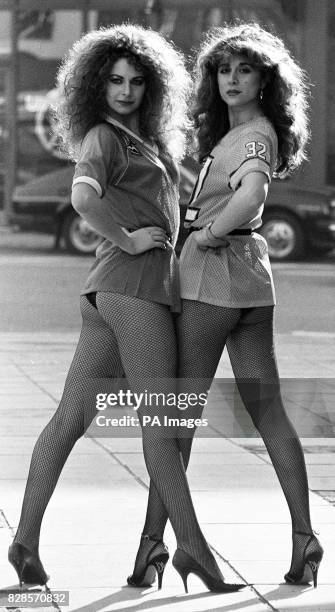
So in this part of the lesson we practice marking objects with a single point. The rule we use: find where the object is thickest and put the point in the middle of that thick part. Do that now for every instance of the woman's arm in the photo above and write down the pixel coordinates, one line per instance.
(241, 208)
(97, 212)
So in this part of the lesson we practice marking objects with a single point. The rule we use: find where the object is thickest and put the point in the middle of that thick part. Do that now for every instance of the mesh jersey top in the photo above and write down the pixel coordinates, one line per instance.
(142, 189)
(238, 275)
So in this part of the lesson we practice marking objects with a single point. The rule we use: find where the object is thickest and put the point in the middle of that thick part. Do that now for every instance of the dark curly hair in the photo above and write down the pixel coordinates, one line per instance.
(285, 92)
(83, 77)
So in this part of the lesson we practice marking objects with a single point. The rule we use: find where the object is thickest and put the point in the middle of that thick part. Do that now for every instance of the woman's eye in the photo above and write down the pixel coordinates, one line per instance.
(138, 82)
(115, 80)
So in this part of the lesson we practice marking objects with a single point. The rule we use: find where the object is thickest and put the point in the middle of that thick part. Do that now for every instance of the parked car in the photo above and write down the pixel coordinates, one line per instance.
(296, 220)
(44, 204)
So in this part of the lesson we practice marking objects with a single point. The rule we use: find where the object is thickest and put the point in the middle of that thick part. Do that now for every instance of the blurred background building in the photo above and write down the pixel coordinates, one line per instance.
(35, 35)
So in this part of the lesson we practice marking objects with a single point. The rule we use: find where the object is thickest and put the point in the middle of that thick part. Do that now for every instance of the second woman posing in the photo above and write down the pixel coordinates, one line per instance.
(251, 122)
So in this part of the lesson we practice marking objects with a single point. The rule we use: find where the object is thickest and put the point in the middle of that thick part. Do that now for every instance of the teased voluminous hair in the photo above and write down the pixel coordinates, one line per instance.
(285, 94)
(83, 78)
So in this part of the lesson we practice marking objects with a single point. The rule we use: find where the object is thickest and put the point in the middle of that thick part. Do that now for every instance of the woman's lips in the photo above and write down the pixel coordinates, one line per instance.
(125, 102)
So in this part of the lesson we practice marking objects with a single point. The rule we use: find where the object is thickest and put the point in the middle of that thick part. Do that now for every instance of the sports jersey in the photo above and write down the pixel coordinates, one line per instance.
(142, 189)
(238, 275)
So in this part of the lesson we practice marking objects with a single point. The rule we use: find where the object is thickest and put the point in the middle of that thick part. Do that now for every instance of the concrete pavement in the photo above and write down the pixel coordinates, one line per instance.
(91, 528)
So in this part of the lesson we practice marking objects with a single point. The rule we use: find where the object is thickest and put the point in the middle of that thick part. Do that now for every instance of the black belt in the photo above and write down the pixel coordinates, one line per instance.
(236, 232)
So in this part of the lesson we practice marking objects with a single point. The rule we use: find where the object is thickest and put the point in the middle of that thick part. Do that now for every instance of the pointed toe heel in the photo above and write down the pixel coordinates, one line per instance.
(184, 564)
(27, 565)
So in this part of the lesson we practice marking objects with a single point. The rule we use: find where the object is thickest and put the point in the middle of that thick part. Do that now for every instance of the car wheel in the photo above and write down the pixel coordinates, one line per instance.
(284, 236)
(78, 235)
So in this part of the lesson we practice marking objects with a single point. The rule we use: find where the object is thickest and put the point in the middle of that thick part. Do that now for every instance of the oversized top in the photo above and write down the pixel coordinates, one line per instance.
(238, 275)
(141, 186)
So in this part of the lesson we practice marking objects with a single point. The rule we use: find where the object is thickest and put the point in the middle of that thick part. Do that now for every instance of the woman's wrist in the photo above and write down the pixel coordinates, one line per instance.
(127, 242)
(210, 232)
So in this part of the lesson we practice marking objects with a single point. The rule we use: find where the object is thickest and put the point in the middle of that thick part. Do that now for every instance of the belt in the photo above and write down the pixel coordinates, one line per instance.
(235, 232)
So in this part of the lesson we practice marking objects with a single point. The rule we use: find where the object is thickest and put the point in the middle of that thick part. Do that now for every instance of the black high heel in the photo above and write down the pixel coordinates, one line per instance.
(185, 565)
(156, 560)
(311, 559)
(27, 565)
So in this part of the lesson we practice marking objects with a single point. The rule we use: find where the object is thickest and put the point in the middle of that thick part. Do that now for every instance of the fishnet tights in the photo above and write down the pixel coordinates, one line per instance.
(140, 334)
(203, 331)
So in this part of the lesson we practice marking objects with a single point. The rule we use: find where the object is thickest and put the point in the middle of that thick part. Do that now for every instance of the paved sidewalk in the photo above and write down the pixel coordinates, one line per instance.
(91, 528)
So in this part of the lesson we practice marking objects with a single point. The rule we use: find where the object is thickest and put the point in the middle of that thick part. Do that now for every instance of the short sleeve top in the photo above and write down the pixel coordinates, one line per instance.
(240, 274)
(141, 186)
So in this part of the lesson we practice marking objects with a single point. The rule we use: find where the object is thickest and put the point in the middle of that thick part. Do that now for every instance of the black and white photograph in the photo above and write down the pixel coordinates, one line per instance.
(167, 293)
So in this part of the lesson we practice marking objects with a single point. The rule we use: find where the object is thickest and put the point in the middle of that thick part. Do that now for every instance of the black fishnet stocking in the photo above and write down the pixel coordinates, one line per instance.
(251, 352)
(147, 344)
(96, 356)
(203, 330)
(198, 363)
(140, 335)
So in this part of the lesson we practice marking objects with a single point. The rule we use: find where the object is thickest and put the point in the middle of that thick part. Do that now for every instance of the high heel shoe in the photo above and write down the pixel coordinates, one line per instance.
(156, 560)
(185, 565)
(311, 559)
(27, 565)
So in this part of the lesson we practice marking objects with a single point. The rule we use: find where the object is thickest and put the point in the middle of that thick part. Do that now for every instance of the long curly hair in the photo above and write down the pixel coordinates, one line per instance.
(285, 93)
(83, 77)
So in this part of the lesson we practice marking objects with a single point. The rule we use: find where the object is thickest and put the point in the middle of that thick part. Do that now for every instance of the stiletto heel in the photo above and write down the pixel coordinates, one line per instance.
(311, 559)
(185, 565)
(160, 564)
(27, 565)
(155, 563)
(314, 569)
(183, 573)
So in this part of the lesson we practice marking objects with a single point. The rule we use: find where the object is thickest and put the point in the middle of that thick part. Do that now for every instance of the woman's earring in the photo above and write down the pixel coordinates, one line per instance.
(261, 95)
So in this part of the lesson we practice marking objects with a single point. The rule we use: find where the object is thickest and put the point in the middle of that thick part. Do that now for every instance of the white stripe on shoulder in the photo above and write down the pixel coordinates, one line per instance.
(89, 181)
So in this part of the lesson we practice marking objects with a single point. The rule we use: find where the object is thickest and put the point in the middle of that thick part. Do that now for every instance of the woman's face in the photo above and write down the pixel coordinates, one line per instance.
(239, 81)
(125, 89)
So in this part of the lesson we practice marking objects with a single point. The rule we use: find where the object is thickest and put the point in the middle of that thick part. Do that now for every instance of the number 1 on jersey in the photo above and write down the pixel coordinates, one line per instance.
(201, 179)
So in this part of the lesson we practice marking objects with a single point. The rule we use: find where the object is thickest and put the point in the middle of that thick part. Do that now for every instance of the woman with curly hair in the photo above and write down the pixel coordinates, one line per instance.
(250, 116)
(122, 118)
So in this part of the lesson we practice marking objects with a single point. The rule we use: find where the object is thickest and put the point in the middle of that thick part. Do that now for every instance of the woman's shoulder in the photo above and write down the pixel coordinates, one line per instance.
(264, 124)
(103, 131)
(261, 126)
(257, 130)
(102, 138)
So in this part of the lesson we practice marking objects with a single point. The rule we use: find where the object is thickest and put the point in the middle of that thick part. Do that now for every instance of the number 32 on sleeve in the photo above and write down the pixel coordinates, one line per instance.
(256, 148)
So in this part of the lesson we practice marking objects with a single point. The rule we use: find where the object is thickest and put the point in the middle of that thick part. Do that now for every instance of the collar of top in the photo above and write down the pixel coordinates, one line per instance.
(120, 125)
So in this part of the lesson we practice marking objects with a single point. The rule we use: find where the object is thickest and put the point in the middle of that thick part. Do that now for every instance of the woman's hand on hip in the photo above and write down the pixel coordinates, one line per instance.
(145, 239)
(205, 240)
